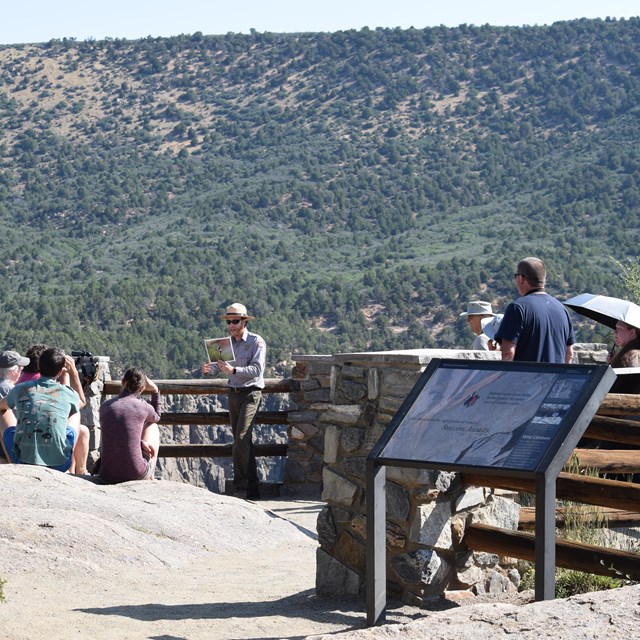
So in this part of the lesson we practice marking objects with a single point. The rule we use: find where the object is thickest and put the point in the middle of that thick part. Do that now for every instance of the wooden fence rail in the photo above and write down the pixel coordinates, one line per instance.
(221, 417)
(205, 387)
(213, 387)
(613, 517)
(570, 555)
(573, 487)
(217, 450)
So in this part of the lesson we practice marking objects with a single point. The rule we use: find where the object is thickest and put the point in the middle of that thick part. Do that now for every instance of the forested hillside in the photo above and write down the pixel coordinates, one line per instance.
(353, 189)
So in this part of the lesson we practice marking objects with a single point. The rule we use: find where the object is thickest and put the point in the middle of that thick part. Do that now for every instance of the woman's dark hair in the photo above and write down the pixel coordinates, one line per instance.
(134, 379)
(33, 353)
(51, 361)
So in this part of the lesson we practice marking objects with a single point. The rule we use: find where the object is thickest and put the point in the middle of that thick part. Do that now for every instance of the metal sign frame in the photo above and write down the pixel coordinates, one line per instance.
(592, 382)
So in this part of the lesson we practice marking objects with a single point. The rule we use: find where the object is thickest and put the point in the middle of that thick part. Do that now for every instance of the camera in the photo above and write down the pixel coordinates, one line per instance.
(86, 365)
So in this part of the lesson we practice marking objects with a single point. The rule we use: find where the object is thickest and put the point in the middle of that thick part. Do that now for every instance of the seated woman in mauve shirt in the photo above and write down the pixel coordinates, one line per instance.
(129, 428)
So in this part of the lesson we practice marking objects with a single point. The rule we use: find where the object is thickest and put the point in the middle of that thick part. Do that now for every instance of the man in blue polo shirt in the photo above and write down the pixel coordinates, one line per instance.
(535, 327)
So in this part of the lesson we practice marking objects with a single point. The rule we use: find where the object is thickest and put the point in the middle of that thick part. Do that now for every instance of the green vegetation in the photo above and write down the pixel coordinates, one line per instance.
(353, 189)
(631, 278)
(582, 523)
(570, 583)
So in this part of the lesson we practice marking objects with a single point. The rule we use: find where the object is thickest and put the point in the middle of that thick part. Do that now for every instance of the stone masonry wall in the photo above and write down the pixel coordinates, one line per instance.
(345, 403)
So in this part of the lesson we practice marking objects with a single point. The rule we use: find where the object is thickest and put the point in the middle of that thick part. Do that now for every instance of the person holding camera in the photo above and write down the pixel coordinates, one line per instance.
(130, 434)
(40, 419)
(246, 381)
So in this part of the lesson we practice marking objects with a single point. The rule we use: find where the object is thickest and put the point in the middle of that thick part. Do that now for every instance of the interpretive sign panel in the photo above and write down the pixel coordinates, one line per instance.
(501, 418)
(490, 414)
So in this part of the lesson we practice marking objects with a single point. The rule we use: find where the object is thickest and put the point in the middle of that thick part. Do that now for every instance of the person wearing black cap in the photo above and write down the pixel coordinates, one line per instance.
(11, 363)
(246, 381)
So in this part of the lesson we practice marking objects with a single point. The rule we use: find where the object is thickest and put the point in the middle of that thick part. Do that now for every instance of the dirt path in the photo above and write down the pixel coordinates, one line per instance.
(157, 560)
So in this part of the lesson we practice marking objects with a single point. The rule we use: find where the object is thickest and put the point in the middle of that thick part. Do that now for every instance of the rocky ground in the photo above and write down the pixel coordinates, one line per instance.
(170, 561)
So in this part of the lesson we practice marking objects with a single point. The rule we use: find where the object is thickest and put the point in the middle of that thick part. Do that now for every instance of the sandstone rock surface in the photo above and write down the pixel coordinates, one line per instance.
(169, 560)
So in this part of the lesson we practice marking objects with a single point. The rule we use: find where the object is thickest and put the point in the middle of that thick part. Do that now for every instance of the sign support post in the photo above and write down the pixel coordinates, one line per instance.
(545, 531)
(376, 543)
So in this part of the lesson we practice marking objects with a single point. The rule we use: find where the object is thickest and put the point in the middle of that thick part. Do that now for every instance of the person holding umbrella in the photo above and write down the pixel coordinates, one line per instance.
(627, 339)
(620, 315)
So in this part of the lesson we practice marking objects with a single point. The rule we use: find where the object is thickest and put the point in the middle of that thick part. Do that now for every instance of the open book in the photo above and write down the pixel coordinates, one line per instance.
(219, 349)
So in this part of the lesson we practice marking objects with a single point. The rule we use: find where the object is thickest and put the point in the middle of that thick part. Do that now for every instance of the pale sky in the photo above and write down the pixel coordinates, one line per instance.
(40, 20)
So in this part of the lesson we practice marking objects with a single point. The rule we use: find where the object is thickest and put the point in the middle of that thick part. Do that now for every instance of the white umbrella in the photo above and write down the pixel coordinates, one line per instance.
(605, 310)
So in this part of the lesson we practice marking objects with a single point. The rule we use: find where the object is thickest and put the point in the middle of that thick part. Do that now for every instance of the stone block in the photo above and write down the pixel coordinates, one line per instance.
(349, 371)
(398, 382)
(395, 535)
(432, 525)
(447, 481)
(331, 444)
(423, 567)
(335, 376)
(387, 404)
(383, 419)
(369, 412)
(497, 582)
(350, 391)
(342, 517)
(296, 434)
(373, 384)
(294, 472)
(333, 579)
(350, 552)
(324, 381)
(352, 439)
(470, 576)
(326, 527)
(498, 512)
(342, 414)
(336, 489)
(300, 371)
(303, 416)
(355, 467)
(318, 395)
(373, 435)
(310, 385)
(472, 497)
(397, 501)
(305, 429)
(320, 369)
(410, 476)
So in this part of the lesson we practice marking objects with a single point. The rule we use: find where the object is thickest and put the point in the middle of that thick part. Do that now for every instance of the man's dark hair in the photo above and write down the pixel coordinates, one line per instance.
(51, 361)
(134, 379)
(33, 353)
(533, 270)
